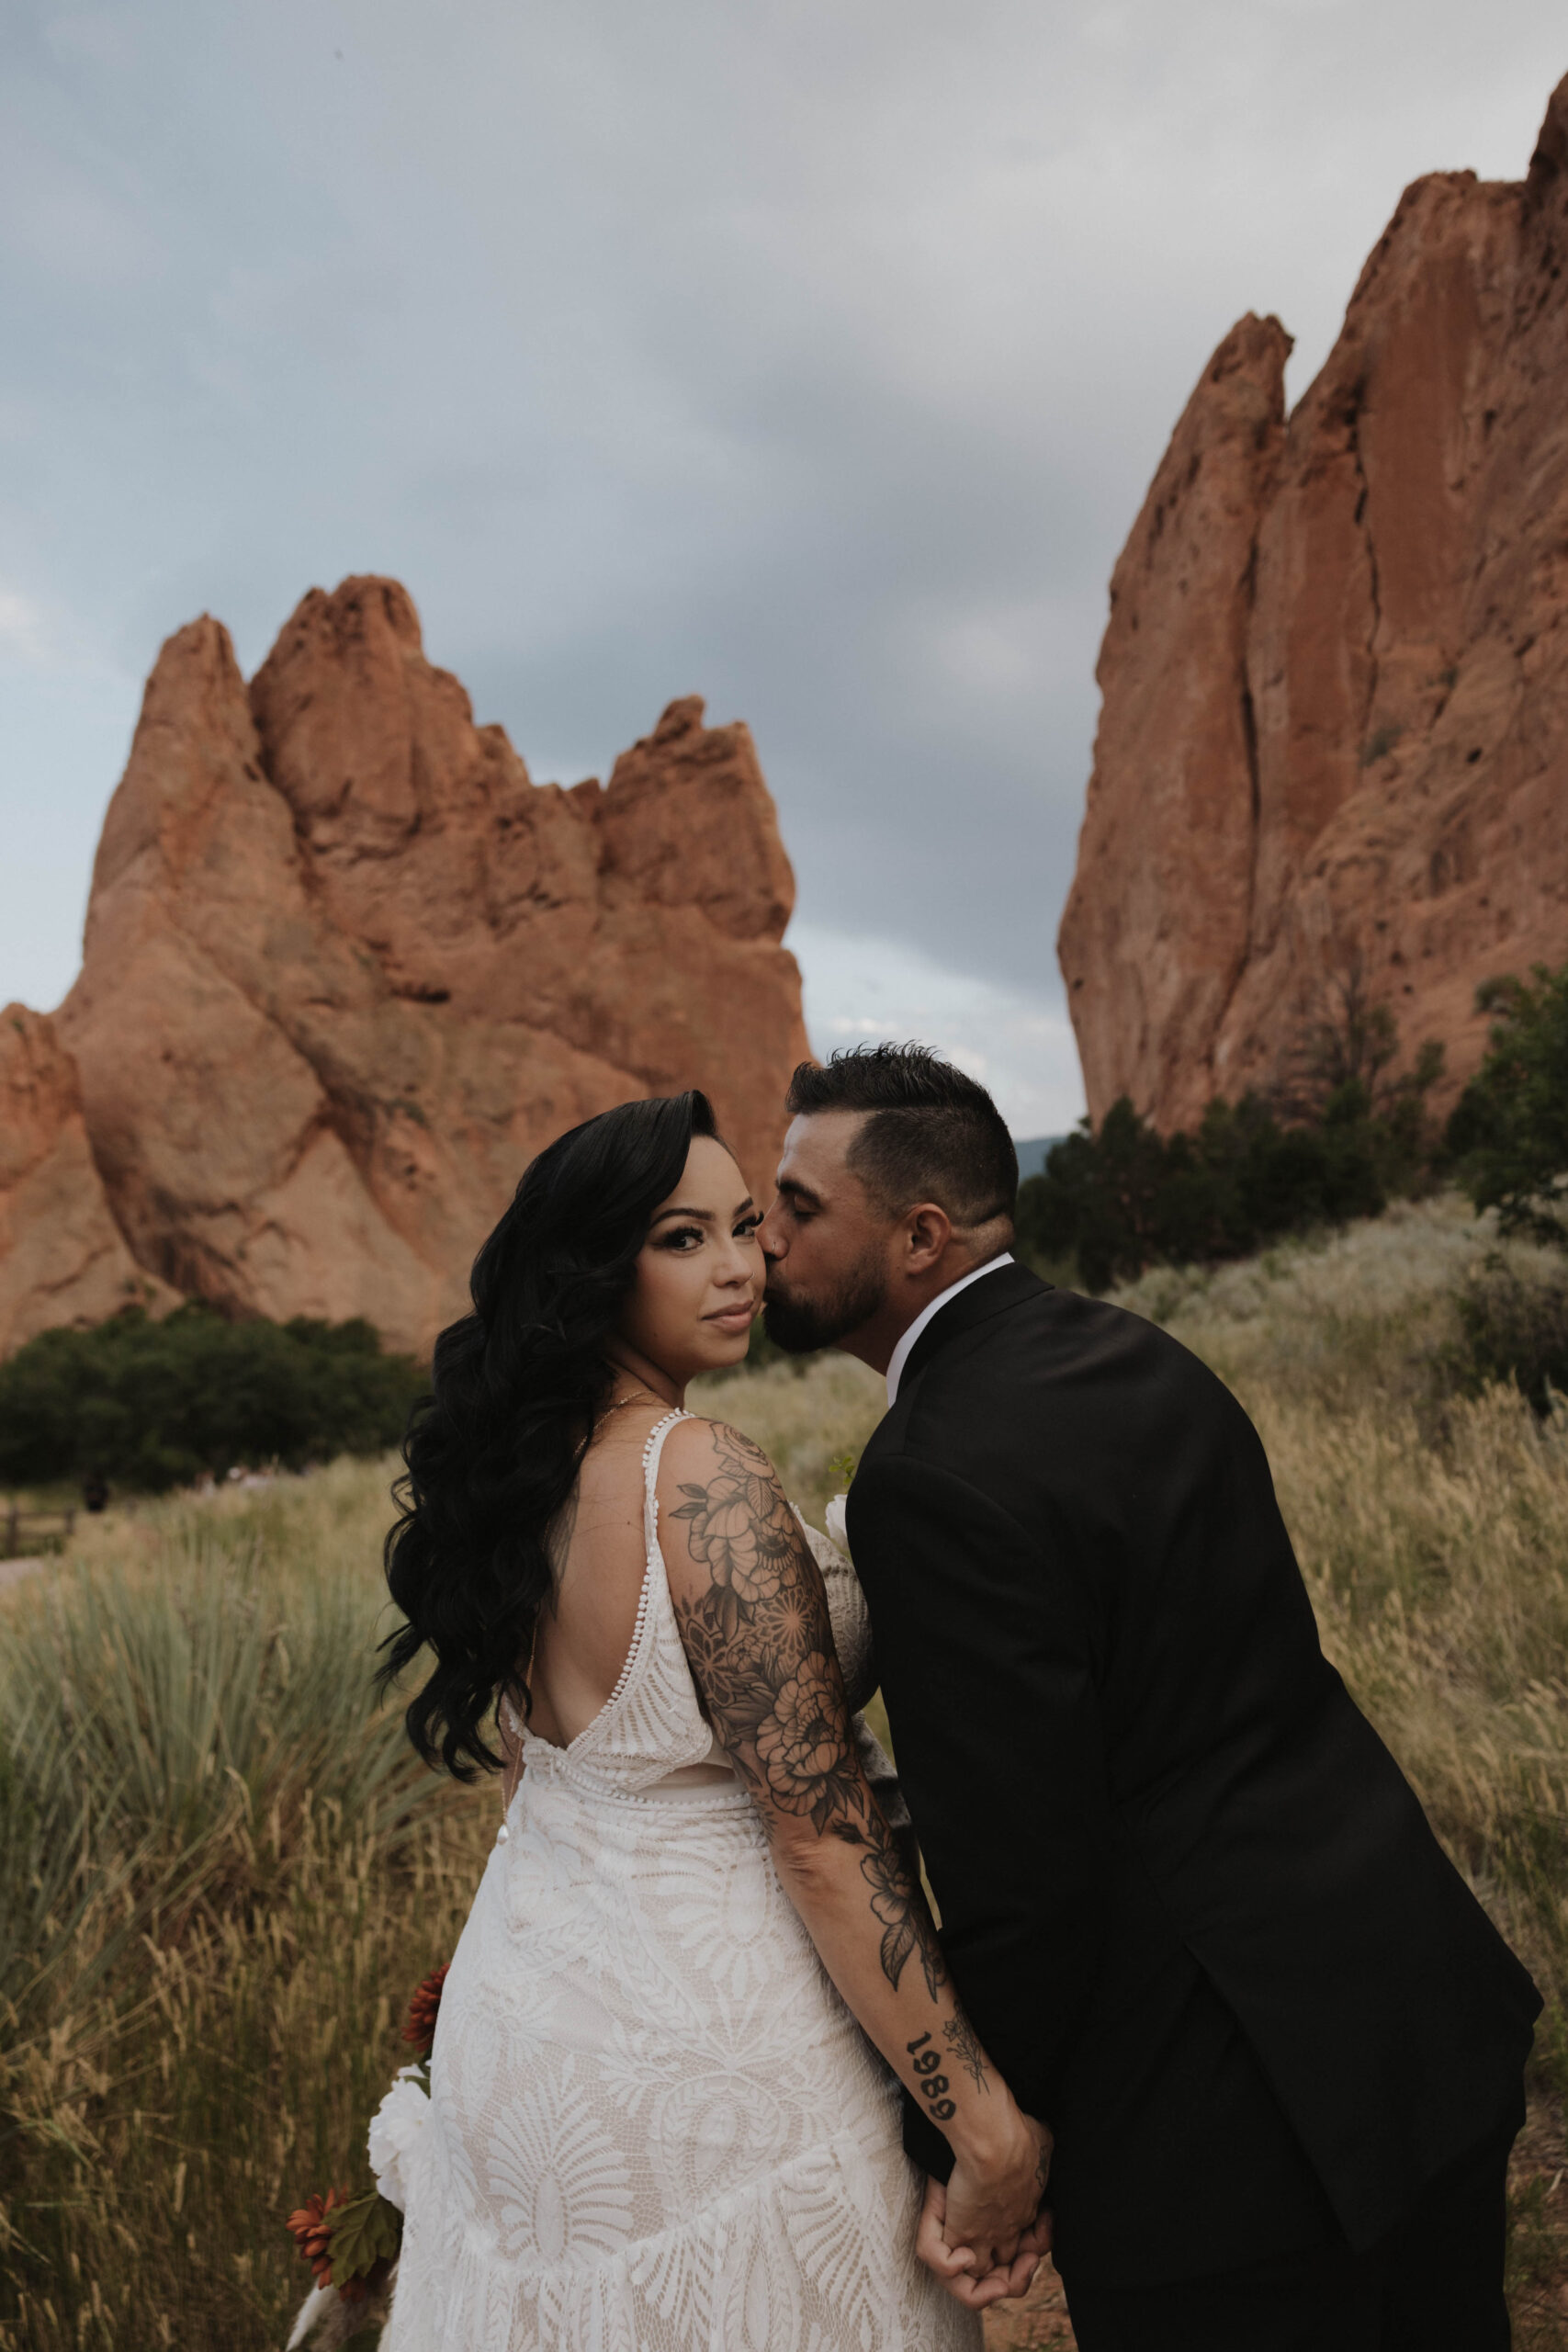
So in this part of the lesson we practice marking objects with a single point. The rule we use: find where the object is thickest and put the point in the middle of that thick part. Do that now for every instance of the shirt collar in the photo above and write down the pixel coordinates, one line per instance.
(901, 1354)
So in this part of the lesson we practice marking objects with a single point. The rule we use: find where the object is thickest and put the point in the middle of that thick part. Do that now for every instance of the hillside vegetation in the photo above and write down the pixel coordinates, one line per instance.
(1342, 1133)
(149, 1404)
(220, 1873)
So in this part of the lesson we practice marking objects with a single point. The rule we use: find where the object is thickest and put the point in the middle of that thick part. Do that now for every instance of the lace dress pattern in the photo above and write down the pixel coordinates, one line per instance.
(654, 2126)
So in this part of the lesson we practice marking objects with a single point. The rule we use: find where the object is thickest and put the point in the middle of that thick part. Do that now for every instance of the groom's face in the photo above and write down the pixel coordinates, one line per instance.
(827, 1246)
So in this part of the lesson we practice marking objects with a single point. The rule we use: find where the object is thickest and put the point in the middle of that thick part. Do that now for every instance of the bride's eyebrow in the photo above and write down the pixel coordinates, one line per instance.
(704, 1216)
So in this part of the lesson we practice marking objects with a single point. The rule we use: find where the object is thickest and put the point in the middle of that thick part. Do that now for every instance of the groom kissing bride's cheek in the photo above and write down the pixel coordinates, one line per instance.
(1193, 1914)
(1207, 2010)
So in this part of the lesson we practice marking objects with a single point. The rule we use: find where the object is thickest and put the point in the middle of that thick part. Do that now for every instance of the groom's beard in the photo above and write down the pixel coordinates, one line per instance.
(800, 1326)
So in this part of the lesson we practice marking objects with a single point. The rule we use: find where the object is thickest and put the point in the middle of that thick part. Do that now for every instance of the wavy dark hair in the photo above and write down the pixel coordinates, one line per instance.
(491, 1456)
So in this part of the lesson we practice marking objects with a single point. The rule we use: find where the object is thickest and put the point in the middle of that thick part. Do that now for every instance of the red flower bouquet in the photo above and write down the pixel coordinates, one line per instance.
(352, 2243)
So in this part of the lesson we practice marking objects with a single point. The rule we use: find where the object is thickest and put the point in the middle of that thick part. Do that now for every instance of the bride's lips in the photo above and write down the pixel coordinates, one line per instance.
(731, 1319)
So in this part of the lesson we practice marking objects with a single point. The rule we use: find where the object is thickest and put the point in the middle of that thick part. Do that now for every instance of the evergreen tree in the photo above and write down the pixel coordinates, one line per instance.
(1509, 1131)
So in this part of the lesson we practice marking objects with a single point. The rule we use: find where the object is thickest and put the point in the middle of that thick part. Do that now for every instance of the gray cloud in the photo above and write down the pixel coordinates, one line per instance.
(813, 358)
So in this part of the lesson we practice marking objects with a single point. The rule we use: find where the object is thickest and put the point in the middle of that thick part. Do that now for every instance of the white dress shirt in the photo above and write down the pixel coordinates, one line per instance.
(901, 1354)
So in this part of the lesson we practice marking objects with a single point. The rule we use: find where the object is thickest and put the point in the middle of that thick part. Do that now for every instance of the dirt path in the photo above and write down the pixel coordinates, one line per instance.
(1040, 2323)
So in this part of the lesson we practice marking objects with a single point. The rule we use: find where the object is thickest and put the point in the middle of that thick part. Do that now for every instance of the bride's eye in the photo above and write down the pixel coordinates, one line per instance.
(746, 1228)
(682, 1236)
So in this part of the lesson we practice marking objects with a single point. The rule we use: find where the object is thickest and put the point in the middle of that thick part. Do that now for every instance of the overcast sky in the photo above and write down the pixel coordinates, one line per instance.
(812, 356)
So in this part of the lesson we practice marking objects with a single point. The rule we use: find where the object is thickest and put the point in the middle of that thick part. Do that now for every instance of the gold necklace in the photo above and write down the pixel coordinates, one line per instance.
(637, 1397)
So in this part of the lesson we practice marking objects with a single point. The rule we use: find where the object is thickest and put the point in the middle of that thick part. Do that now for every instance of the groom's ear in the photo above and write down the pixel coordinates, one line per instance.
(927, 1229)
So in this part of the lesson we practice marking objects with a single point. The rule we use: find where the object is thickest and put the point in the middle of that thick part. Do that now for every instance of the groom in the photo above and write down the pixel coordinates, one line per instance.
(1191, 1905)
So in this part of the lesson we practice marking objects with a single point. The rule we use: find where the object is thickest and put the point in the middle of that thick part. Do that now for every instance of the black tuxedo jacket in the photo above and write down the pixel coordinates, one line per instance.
(1192, 1906)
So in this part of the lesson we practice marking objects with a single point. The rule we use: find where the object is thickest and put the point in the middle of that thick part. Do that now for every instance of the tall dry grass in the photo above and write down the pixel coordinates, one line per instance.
(220, 1870)
(221, 1874)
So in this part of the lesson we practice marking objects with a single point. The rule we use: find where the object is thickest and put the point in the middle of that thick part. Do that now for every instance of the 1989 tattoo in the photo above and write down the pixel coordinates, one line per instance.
(934, 2083)
(761, 1651)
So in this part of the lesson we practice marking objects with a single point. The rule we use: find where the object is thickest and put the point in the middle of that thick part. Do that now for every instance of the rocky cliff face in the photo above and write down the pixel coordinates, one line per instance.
(1333, 745)
(347, 969)
(62, 1257)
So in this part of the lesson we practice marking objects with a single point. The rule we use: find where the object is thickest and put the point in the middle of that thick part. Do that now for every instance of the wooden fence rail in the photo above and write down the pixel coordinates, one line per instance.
(53, 1528)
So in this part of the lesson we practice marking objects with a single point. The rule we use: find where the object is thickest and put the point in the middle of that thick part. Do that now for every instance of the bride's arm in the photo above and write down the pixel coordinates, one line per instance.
(753, 1616)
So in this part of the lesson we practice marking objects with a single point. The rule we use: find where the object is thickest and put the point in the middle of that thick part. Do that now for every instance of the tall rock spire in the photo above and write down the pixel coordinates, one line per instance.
(1379, 610)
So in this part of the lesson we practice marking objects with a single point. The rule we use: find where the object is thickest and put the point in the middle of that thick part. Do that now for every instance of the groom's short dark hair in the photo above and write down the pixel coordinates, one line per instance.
(932, 1133)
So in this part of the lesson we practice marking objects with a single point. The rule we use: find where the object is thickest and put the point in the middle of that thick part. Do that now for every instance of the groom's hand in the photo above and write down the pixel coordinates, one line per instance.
(957, 2267)
(996, 2186)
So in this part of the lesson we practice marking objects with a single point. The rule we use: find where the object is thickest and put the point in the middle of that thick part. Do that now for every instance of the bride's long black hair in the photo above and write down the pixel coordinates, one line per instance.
(492, 1455)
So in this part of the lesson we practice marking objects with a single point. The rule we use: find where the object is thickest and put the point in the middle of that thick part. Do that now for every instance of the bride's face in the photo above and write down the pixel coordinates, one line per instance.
(699, 1274)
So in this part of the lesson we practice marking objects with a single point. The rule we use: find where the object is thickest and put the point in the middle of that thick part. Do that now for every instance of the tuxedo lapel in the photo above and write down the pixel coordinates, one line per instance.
(992, 1295)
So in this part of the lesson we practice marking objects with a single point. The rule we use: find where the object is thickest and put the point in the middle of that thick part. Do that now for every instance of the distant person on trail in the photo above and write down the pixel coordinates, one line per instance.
(657, 2121)
(1191, 1908)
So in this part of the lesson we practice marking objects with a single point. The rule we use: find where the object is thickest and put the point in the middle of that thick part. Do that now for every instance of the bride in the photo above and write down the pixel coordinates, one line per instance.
(664, 2091)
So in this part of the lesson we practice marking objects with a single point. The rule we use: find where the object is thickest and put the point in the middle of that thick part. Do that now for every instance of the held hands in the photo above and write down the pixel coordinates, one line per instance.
(984, 2233)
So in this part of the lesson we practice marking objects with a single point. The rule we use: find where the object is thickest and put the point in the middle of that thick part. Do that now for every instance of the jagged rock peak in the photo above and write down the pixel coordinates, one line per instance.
(347, 969)
(1334, 699)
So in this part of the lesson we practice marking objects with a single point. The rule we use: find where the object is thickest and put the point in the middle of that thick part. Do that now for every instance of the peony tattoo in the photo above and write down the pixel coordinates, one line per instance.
(735, 1535)
(800, 1745)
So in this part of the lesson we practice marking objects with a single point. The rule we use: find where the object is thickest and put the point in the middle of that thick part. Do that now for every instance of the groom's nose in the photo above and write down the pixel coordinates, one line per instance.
(770, 1233)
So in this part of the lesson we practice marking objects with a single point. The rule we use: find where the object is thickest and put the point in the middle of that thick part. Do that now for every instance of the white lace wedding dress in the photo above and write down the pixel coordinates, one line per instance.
(653, 2124)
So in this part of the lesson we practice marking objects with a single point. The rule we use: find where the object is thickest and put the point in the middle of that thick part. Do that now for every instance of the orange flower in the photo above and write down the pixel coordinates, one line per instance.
(312, 2231)
(425, 2007)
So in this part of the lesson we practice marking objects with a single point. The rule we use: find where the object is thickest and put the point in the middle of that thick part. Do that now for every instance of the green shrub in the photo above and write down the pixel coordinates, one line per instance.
(1115, 1202)
(152, 1404)
(1508, 1134)
(1513, 1330)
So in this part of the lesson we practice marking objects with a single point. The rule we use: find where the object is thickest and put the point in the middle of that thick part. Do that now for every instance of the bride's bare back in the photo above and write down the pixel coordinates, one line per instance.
(599, 1559)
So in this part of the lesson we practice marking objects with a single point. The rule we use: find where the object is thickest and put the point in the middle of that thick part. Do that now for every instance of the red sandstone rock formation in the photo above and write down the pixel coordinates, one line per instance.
(346, 970)
(63, 1257)
(1334, 693)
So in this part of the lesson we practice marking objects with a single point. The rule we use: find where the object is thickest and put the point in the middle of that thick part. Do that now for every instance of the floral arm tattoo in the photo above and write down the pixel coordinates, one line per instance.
(762, 1654)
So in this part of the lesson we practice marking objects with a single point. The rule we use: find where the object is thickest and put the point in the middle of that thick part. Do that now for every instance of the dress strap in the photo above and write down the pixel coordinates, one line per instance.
(651, 1453)
(654, 1581)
